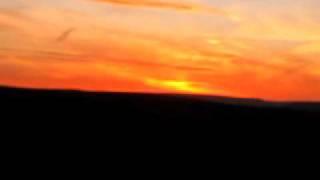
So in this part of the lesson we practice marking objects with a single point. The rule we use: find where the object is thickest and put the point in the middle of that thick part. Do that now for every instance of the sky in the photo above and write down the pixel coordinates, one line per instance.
(240, 48)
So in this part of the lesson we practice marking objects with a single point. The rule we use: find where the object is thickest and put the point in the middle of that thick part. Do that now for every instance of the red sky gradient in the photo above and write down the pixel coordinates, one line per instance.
(257, 49)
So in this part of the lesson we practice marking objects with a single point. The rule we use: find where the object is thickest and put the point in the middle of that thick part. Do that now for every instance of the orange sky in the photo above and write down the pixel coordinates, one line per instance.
(239, 48)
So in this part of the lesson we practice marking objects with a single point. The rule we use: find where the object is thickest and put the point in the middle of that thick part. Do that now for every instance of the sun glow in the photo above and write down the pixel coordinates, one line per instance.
(177, 85)
(214, 41)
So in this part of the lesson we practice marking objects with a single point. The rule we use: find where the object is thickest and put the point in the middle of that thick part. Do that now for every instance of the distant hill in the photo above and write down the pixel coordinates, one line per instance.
(58, 108)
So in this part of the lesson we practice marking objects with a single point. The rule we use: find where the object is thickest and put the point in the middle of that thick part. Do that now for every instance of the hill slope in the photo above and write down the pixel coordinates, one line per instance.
(55, 108)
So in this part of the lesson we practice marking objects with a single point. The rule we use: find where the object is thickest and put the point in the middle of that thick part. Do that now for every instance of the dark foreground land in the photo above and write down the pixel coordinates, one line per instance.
(72, 128)
(70, 125)
(88, 111)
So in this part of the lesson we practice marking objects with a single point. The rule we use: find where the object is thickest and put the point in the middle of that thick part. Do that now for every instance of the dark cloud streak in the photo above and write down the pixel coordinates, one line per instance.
(65, 35)
(161, 4)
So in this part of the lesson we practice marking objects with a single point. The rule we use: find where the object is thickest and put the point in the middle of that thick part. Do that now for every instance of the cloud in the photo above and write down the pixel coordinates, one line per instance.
(5, 26)
(14, 21)
(152, 3)
(13, 15)
(64, 35)
(34, 55)
(178, 6)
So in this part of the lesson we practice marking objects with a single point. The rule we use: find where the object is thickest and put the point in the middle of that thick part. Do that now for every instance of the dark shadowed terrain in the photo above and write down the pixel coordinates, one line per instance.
(57, 110)
(64, 124)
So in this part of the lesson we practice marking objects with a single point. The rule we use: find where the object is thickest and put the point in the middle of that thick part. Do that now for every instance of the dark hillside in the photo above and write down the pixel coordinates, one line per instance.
(88, 111)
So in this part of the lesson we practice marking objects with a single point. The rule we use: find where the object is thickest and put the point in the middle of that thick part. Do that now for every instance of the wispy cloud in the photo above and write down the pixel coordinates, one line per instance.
(12, 20)
(64, 35)
(152, 3)
(178, 6)
(14, 15)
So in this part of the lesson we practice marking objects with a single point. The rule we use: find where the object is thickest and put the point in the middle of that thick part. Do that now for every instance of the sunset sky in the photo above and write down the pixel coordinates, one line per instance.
(266, 49)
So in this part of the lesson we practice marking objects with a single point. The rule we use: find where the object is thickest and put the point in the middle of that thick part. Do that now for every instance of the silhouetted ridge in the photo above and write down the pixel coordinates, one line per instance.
(158, 110)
